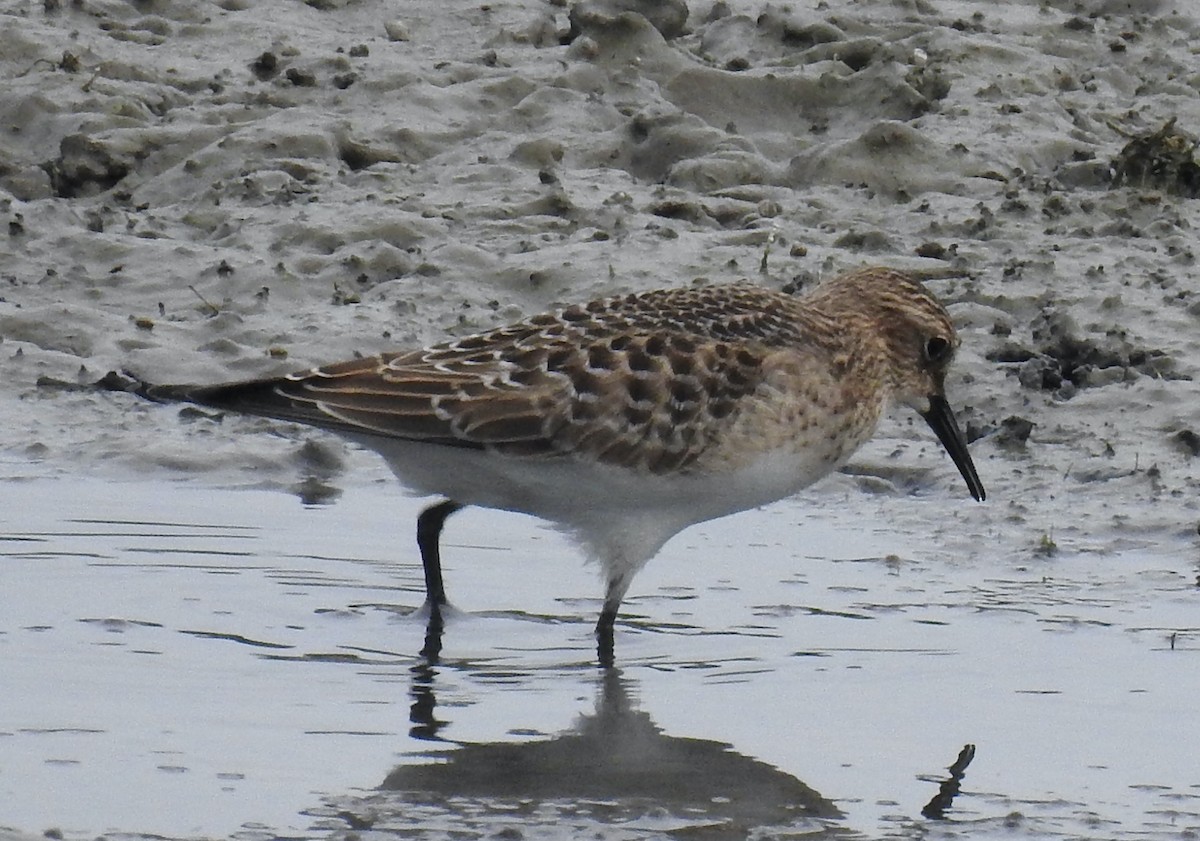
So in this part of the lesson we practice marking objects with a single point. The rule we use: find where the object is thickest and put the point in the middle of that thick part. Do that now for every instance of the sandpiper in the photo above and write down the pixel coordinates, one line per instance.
(627, 419)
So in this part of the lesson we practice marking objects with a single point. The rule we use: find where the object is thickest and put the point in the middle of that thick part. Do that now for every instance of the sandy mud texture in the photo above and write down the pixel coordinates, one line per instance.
(206, 191)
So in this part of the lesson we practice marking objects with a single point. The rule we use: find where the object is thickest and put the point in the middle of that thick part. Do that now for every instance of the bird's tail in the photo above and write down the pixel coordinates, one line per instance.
(249, 397)
(133, 384)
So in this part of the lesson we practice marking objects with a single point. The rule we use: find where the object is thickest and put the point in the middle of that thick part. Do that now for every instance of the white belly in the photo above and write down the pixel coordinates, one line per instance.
(622, 517)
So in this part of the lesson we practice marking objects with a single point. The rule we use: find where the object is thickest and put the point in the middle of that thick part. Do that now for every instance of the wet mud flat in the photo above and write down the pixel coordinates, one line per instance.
(196, 662)
(205, 192)
(254, 188)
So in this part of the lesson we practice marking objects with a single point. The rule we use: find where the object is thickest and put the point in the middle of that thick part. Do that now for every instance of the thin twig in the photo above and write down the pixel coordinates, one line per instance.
(203, 300)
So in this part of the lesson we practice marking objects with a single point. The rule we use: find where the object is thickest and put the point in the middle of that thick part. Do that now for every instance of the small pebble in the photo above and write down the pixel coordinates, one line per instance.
(396, 31)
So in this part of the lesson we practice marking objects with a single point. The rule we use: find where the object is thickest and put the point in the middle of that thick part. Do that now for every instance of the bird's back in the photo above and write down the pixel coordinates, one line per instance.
(645, 382)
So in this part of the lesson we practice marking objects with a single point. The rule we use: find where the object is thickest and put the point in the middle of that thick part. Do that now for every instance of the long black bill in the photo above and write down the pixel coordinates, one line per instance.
(940, 418)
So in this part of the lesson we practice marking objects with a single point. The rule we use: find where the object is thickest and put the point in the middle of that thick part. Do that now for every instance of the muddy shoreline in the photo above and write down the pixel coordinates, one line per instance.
(205, 192)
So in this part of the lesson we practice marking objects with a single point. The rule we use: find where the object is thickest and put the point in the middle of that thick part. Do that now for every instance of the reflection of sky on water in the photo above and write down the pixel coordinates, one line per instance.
(188, 662)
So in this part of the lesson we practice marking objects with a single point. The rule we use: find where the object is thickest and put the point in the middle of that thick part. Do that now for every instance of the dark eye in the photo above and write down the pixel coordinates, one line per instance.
(937, 349)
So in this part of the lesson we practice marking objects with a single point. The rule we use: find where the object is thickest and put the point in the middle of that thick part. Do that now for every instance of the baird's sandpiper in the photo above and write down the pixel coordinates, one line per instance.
(625, 420)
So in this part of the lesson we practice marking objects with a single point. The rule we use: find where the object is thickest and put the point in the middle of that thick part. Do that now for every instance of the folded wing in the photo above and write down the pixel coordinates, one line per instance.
(596, 384)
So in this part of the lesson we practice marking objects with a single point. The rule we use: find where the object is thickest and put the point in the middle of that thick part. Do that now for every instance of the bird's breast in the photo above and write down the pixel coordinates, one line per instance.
(800, 424)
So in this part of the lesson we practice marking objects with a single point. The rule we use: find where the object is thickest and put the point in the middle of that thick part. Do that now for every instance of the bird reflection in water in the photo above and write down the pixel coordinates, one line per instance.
(614, 767)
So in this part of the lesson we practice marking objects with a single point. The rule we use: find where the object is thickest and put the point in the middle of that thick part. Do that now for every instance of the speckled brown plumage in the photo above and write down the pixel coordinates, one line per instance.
(629, 418)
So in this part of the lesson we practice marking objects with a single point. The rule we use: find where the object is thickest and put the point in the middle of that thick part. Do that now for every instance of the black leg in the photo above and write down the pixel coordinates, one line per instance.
(605, 656)
(614, 592)
(429, 530)
(432, 649)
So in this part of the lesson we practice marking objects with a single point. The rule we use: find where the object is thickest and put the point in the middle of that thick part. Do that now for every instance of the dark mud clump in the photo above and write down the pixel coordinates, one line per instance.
(1160, 160)
(85, 167)
(1061, 359)
(1014, 432)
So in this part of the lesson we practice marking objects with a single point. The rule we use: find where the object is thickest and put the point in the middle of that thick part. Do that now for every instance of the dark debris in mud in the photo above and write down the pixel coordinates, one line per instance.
(85, 167)
(1062, 359)
(1187, 442)
(1160, 160)
(1014, 433)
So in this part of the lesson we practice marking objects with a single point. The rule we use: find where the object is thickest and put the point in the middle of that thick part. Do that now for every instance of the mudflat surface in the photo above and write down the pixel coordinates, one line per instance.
(200, 192)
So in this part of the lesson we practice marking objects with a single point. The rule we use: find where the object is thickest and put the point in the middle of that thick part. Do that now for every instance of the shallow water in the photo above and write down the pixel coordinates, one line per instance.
(188, 661)
(191, 661)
